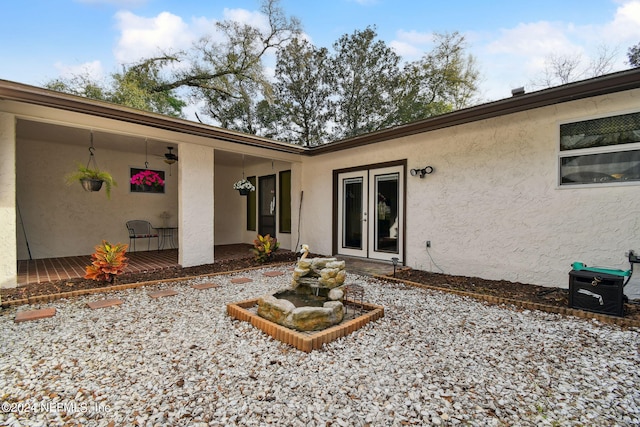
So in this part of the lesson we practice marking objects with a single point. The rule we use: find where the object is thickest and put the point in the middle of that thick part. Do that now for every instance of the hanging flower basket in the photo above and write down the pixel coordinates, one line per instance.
(91, 179)
(244, 187)
(91, 184)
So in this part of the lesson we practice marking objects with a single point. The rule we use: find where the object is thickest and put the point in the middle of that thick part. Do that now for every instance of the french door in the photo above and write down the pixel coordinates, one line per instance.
(371, 213)
(267, 205)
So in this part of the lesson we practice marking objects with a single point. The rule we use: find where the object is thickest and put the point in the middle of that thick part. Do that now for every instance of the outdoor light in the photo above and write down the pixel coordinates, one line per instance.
(394, 260)
(422, 172)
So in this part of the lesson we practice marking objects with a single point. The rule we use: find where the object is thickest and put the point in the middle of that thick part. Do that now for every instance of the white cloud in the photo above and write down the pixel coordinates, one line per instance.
(411, 45)
(93, 70)
(145, 37)
(625, 26)
(243, 16)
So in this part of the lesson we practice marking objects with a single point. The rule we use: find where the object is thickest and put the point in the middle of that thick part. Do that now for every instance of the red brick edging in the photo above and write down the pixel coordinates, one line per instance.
(52, 297)
(304, 342)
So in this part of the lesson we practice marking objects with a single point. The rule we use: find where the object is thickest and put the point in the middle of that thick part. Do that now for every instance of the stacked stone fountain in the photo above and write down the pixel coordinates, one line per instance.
(313, 301)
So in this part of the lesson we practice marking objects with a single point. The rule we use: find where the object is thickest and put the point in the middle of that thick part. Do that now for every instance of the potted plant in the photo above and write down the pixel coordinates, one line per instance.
(91, 179)
(244, 187)
(264, 247)
(108, 262)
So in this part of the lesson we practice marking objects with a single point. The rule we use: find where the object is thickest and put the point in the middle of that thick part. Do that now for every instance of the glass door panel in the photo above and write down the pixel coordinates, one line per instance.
(386, 208)
(386, 221)
(267, 205)
(352, 214)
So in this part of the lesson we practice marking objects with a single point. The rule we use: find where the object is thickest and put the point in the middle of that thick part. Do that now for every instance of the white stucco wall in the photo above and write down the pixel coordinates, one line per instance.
(64, 220)
(492, 208)
(196, 213)
(8, 267)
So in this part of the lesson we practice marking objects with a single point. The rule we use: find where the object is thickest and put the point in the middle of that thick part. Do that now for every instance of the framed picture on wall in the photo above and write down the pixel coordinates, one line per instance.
(146, 181)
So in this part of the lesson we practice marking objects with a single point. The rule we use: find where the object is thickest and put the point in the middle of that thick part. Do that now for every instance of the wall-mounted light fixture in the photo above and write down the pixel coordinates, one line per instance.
(422, 172)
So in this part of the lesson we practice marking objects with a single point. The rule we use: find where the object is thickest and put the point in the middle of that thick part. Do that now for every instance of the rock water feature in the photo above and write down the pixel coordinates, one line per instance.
(313, 302)
(311, 311)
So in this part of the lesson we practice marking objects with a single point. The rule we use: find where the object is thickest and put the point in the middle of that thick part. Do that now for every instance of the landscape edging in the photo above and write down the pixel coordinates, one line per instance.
(112, 288)
(567, 311)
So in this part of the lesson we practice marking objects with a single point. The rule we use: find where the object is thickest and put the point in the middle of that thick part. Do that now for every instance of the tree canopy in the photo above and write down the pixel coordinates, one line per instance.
(315, 95)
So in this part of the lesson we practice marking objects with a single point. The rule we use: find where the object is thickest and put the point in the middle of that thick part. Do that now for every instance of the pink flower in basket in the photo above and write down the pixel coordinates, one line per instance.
(147, 177)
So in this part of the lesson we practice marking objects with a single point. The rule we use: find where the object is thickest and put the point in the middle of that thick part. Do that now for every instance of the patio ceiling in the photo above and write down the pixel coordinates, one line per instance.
(43, 131)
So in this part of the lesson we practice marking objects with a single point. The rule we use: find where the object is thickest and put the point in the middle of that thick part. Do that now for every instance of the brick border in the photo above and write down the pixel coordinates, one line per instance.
(566, 311)
(303, 342)
(52, 297)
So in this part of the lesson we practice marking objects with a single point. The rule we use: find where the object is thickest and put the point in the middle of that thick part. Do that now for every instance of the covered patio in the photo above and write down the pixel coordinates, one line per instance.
(49, 135)
(71, 267)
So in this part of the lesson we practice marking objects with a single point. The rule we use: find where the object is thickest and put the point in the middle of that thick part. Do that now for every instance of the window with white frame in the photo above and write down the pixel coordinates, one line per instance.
(600, 151)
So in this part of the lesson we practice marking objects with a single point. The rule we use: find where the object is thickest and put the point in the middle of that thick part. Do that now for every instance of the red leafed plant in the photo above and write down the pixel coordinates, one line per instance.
(108, 262)
(263, 247)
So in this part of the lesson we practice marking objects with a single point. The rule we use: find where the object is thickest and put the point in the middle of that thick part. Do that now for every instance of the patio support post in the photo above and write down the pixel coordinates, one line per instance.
(195, 201)
(8, 213)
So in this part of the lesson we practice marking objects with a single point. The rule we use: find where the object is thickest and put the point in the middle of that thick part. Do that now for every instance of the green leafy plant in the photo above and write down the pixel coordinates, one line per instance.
(264, 247)
(108, 262)
(84, 173)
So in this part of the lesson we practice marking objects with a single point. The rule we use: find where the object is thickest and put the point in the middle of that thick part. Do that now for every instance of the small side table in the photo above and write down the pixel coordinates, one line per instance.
(167, 237)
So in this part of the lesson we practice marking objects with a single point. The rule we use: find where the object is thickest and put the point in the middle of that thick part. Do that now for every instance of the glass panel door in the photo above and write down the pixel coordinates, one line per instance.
(386, 221)
(267, 205)
(352, 214)
(371, 213)
(387, 212)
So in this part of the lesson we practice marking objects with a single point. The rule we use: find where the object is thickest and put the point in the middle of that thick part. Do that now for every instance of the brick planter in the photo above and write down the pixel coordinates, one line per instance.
(306, 341)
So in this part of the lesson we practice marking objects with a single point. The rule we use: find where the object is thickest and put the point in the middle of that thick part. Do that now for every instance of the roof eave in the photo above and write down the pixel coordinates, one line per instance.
(610, 83)
(44, 97)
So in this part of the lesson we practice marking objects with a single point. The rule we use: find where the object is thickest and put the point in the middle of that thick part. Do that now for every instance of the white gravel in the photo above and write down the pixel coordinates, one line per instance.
(434, 359)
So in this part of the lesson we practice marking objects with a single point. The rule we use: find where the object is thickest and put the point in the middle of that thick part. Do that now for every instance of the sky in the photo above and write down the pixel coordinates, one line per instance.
(510, 40)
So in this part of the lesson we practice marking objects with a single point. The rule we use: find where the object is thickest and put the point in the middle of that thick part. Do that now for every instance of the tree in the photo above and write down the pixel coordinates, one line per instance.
(134, 87)
(563, 69)
(634, 55)
(80, 85)
(229, 75)
(316, 95)
(302, 93)
(443, 80)
(365, 76)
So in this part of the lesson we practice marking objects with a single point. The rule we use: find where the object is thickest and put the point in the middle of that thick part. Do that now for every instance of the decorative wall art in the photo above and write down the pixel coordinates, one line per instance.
(146, 181)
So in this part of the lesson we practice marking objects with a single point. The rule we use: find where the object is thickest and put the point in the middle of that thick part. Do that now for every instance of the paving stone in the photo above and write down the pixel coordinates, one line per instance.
(239, 280)
(161, 294)
(273, 273)
(42, 313)
(202, 286)
(104, 303)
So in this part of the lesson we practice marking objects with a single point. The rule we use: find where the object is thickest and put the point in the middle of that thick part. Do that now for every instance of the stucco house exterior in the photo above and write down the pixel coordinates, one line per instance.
(515, 189)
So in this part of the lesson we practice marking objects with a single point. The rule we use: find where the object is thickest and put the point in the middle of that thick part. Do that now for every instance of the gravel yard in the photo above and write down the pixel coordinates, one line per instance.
(433, 359)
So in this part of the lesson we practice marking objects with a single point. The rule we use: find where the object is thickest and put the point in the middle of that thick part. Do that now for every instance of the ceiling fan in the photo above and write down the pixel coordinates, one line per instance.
(170, 158)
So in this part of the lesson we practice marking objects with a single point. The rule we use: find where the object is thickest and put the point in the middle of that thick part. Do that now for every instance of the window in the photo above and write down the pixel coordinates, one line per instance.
(251, 206)
(605, 150)
(285, 201)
